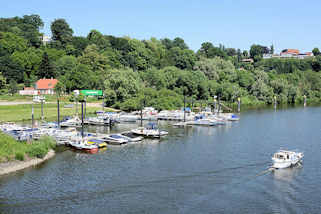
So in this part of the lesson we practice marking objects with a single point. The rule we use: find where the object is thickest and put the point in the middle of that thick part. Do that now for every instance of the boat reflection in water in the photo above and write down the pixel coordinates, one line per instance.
(287, 174)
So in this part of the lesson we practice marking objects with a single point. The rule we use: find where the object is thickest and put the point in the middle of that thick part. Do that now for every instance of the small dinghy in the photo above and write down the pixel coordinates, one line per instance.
(284, 159)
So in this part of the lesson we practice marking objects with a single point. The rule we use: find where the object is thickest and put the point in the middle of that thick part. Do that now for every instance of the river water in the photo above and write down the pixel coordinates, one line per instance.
(193, 170)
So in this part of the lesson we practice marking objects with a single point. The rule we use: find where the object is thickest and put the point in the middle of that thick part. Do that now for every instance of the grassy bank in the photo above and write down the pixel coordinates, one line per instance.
(10, 149)
(23, 112)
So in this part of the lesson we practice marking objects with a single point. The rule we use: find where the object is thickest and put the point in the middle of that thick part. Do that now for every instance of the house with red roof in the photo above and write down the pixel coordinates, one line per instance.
(46, 86)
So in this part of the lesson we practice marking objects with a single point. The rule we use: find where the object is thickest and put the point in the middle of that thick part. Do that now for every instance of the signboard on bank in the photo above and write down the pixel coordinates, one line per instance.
(91, 92)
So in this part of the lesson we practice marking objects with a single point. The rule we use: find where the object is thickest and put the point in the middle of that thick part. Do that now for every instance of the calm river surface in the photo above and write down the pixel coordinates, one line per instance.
(193, 170)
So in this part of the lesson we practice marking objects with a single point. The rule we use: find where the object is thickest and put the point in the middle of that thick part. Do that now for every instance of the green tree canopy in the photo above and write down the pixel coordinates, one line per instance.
(61, 32)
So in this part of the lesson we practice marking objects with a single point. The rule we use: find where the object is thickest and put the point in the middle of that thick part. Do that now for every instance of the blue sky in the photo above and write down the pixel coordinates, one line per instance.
(234, 23)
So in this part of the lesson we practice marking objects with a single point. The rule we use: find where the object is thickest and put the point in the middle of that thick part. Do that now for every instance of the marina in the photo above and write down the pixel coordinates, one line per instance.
(191, 168)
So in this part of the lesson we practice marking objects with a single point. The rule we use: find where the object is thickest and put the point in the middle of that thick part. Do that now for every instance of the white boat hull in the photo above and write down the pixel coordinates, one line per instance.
(288, 159)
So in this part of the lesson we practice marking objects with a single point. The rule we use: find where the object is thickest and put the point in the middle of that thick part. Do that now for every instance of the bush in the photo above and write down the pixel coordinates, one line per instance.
(37, 151)
(20, 156)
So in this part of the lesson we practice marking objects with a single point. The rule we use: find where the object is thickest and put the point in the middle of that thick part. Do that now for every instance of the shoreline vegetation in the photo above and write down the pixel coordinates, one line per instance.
(16, 155)
(15, 165)
(151, 72)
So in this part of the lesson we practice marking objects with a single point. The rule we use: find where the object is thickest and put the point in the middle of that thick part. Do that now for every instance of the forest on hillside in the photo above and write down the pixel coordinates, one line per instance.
(153, 72)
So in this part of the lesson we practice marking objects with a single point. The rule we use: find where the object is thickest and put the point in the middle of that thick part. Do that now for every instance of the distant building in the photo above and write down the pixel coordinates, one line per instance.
(45, 39)
(249, 60)
(46, 86)
(290, 53)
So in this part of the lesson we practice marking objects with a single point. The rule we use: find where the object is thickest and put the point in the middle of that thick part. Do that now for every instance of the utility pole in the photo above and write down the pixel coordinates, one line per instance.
(184, 107)
(58, 109)
(42, 99)
(85, 106)
(82, 119)
(238, 104)
(32, 116)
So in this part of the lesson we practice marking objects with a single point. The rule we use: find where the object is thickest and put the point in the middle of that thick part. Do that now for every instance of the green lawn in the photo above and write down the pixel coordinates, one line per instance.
(13, 113)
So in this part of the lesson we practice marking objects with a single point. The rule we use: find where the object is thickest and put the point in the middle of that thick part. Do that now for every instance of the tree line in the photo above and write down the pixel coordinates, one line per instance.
(155, 72)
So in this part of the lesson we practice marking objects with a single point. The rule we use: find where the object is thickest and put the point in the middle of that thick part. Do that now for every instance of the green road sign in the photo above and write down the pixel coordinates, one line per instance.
(92, 92)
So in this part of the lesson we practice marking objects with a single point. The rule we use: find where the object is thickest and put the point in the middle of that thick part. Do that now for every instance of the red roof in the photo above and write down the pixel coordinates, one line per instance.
(46, 83)
(290, 51)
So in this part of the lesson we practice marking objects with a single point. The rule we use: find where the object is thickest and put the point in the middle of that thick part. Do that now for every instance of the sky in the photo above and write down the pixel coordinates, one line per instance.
(233, 23)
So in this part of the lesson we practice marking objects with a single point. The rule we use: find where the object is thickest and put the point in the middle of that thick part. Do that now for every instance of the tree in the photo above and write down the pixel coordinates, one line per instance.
(79, 43)
(209, 51)
(179, 42)
(2, 81)
(257, 51)
(10, 43)
(11, 70)
(60, 88)
(95, 37)
(65, 64)
(272, 49)
(183, 59)
(245, 53)
(46, 69)
(316, 51)
(124, 83)
(61, 32)
(96, 62)
(13, 87)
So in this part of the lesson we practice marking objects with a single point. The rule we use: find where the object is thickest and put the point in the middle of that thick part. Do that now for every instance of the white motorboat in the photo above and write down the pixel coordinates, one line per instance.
(73, 122)
(131, 137)
(150, 131)
(284, 159)
(229, 116)
(82, 144)
(114, 139)
(128, 118)
(202, 122)
(97, 121)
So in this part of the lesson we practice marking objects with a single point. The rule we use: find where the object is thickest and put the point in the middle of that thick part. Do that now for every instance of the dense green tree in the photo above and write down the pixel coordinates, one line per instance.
(13, 87)
(316, 51)
(125, 84)
(29, 60)
(209, 51)
(11, 70)
(61, 32)
(245, 78)
(65, 64)
(183, 59)
(230, 51)
(95, 37)
(2, 81)
(180, 43)
(154, 78)
(91, 57)
(257, 51)
(79, 43)
(10, 42)
(46, 68)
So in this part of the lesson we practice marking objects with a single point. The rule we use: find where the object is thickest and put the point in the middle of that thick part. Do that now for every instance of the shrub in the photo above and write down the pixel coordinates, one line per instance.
(20, 156)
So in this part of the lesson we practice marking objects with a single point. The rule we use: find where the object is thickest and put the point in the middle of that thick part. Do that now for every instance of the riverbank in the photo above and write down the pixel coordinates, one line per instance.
(13, 166)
